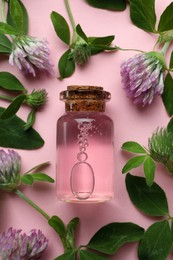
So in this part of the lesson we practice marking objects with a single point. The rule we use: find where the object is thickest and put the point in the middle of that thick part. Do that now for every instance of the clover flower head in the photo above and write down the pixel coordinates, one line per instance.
(31, 55)
(161, 147)
(81, 53)
(15, 245)
(10, 165)
(142, 77)
(37, 99)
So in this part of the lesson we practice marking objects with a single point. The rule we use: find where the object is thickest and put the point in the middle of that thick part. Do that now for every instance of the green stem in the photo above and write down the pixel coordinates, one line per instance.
(3, 19)
(4, 97)
(70, 14)
(32, 204)
(121, 49)
(165, 47)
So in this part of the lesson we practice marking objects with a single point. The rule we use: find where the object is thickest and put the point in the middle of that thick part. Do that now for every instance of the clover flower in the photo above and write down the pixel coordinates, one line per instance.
(10, 165)
(31, 55)
(37, 98)
(15, 245)
(142, 77)
(161, 147)
(81, 53)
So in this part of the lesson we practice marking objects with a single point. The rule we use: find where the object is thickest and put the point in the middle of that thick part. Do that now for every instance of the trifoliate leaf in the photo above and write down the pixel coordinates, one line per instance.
(167, 96)
(12, 109)
(156, 243)
(133, 147)
(57, 224)
(81, 33)
(150, 200)
(134, 162)
(12, 134)
(30, 119)
(61, 27)
(66, 66)
(8, 29)
(149, 170)
(27, 179)
(166, 19)
(5, 44)
(142, 13)
(118, 5)
(112, 236)
(39, 176)
(16, 15)
(10, 82)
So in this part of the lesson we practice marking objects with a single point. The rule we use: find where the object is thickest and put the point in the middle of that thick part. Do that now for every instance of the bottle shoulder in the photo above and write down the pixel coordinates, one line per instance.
(70, 116)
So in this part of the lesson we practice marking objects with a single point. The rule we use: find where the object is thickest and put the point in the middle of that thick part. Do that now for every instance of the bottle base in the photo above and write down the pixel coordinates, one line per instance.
(91, 199)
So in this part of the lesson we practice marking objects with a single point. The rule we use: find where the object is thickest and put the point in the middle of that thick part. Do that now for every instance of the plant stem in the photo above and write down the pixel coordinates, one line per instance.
(3, 11)
(70, 14)
(6, 97)
(32, 204)
(165, 47)
(121, 49)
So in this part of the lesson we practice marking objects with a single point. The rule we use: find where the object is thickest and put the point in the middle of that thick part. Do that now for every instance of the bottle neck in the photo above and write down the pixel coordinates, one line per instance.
(87, 105)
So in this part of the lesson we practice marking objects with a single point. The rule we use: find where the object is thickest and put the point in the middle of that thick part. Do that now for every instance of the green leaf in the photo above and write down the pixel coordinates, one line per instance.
(57, 224)
(16, 15)
(172, 228)
(112, 236)
(171, 61)
(30, 119)
(156, 243)
(67, 256)
(5, 44)
(134, 162)
(150, 200)
(133, 147)
(61, 27)
(10, 82)
(167, 96)
(166, 19)
(38, 167)
(101, 41)
(7, 29)
(41, 177)
(12, 134)
(66, 66)
(149, 170)
(81, 33)
(27, 179)
(12, 109)
(118, 5)
(142, 13)
(170, 125)
(86, 255)
(71, 227)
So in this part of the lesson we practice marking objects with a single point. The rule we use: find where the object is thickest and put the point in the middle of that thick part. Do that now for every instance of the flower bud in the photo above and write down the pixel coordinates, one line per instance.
(37, 99)
(161, 147)
(81, 54)
(10, 166)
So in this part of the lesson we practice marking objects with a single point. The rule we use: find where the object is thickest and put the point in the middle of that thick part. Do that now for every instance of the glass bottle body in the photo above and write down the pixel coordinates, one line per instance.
(85, 157)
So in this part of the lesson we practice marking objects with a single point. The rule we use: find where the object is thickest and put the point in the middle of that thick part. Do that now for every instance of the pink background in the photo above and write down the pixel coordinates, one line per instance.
(131, 123)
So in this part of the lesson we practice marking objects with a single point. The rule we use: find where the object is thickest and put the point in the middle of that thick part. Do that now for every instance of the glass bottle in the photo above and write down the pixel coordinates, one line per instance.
(85, 146)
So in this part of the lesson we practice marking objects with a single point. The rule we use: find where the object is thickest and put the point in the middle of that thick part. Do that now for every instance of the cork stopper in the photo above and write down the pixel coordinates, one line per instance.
(85, 98)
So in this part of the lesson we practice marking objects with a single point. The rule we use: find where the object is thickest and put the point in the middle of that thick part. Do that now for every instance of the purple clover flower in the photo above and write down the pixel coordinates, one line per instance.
(142, 77)
(10, 166)
(31, 55)
(15, 245)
